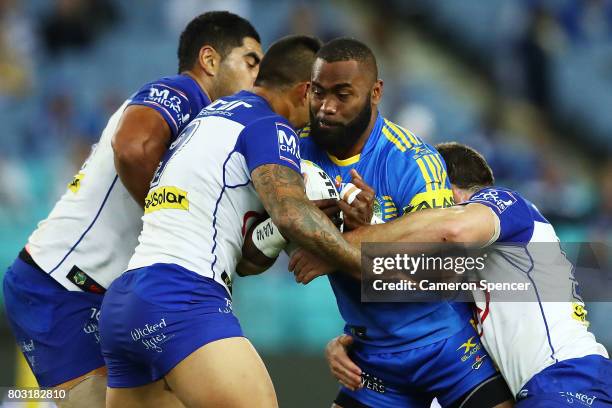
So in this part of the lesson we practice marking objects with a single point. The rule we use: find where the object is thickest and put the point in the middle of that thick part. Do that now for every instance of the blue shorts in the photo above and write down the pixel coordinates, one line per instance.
(446, 370)
(56, 329)
(579, 382)
(154, 317)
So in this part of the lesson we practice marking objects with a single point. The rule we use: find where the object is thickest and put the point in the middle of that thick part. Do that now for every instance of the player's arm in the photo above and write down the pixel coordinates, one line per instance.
(281, 190)
(139, 143)
(472, 223)
(264, 242)
(467, 224)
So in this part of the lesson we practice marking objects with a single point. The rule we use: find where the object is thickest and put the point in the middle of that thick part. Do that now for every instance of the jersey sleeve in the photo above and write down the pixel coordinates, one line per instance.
(515, 219)
(422, 183)
(169, 99)
(269, 141)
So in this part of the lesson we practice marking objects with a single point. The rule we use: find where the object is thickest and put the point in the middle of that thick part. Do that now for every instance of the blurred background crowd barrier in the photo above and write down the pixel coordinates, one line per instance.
(526, 82)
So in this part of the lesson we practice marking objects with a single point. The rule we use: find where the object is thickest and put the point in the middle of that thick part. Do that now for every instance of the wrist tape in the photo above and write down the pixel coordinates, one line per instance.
(268, 239)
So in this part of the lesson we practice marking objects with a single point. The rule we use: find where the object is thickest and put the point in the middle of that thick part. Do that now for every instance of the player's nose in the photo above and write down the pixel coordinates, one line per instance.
(328, 107)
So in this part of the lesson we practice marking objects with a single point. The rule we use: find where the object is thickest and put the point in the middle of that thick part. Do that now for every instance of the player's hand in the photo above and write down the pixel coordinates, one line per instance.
(341, 366)
(331, 209)
(306, 266)
(359, 211)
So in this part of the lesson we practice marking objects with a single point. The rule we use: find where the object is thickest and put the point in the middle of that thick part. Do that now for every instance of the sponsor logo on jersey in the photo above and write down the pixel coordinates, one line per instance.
(166, 197)
(522, 394)
(288, 147)
(221, 107)
(430, 199)
(500, 199)
(161, 96)
(75, 184)
(372, 383)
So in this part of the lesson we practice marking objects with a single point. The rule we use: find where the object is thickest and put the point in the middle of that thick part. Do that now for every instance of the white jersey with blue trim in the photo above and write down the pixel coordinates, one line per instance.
(93, 229)
(201, 197)
(546, 324)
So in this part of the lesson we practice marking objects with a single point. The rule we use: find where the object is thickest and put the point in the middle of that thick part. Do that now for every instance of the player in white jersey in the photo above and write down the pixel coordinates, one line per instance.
(539, 339)
(169, 318)
(54, 289)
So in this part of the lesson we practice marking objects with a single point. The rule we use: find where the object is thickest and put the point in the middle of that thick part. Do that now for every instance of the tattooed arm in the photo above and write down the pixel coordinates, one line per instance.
(281, 191)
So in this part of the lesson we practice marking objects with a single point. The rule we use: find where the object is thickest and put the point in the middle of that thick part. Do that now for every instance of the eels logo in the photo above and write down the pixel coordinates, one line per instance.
(166, 198)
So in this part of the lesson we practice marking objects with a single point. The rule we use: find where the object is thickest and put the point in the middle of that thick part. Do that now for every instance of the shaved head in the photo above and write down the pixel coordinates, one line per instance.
(350, 49)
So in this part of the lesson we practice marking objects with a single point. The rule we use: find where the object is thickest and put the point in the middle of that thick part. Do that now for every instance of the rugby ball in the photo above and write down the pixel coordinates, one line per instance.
(318, 184)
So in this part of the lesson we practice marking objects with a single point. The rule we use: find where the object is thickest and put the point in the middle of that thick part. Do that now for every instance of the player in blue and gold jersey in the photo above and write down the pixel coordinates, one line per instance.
(410, 353)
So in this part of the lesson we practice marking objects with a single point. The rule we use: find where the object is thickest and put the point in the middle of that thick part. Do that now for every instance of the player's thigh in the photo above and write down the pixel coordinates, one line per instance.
(87, 390)
(56, 329)
(156, 394)
(224, 373)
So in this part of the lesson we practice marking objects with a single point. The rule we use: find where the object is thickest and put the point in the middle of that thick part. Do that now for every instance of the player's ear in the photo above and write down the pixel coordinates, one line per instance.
(377, 91)
(300, 92)
(209, 60)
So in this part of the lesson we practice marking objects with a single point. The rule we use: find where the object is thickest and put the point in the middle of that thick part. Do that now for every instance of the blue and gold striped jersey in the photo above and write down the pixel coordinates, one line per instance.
(407, 175)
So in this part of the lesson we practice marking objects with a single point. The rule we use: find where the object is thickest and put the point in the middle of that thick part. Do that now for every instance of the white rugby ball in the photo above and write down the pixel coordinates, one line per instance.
(318, 184)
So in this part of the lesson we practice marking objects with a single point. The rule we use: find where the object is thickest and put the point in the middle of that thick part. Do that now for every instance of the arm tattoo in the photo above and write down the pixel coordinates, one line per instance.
(281, 191)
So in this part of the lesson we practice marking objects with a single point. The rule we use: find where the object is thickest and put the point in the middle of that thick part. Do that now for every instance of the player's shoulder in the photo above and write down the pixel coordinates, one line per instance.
(182, 85)
(304, 133)
(401, 144)
(507, 202)
(407, 155)
(499, 199)
(244, 108)
(308, 149)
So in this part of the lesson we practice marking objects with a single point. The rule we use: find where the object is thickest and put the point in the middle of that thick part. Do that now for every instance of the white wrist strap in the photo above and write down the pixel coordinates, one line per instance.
(349, 193)
(268, 239)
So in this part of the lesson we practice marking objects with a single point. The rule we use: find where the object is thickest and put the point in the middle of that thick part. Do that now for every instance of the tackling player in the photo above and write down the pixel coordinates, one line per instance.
(54, 289)
(409, 352)
(542, 348)
(169, 318)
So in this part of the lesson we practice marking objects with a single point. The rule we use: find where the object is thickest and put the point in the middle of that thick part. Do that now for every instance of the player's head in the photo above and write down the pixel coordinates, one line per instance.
(285, 70)
(221, 49)
(344, 93)
(467, 169)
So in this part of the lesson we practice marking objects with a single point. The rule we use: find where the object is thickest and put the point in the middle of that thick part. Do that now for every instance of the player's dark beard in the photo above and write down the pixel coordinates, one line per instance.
(343, 137)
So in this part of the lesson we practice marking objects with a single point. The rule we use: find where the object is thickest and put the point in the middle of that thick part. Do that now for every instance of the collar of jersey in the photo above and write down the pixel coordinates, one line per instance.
(366, 149)
(206, 96)
(254, 95)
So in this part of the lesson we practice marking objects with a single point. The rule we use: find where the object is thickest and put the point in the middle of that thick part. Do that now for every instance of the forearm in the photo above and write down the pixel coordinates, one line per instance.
(424, 226)
(281, 191)
(304, 224)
